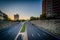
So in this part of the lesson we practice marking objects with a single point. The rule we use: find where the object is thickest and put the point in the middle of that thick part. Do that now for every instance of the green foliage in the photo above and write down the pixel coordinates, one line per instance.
(43, 16)
(23, 28)
(34, 18)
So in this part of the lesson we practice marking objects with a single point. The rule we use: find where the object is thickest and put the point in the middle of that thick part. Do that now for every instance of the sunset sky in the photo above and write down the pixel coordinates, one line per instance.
(25, 8)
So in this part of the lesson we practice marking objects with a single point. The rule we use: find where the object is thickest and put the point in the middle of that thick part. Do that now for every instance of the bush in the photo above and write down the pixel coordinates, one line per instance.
(43, 16)
(34, 18)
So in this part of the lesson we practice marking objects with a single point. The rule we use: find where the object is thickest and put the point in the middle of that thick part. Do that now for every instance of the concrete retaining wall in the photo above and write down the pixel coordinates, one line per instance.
(50, 25)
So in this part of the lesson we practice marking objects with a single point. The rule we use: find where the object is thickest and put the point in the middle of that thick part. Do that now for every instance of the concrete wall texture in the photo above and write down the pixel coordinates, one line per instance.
(52, 26)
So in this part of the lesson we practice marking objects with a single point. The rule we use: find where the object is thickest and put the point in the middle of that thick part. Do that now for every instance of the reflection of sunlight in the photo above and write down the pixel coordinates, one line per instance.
(19, 35)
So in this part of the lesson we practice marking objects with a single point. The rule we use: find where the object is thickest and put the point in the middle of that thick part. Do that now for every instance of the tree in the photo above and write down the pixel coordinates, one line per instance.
(34, 18)
(43, 16)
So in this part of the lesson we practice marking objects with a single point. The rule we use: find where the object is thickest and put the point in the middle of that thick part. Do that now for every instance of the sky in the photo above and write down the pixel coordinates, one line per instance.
(25, 8)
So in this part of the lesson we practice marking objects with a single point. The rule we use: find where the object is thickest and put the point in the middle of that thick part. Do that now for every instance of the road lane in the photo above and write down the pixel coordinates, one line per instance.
(35, 33)
(11, 32)
(22, 34)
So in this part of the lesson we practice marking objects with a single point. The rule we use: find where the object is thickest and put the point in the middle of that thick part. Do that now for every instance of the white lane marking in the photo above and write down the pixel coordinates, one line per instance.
(23, 34)
(32, 35)
(32, 28)
(38, 34)
(17, 36)
(18, 32)
(44, 33)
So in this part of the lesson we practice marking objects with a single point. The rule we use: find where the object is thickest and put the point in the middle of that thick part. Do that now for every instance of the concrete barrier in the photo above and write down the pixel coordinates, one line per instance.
(52, 26)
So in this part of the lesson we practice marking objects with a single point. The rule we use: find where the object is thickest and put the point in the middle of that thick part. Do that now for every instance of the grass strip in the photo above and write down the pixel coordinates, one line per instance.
(23, 28)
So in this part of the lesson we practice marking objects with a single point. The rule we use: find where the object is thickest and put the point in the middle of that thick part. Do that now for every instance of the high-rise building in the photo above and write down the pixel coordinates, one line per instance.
(16, 17)
(51, 8)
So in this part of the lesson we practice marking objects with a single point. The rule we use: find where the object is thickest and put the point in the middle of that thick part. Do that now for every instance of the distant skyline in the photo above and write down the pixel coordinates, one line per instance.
(25, 9)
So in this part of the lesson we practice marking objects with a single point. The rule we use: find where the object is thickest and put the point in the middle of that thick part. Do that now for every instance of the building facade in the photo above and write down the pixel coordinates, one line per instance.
(51, 8)
(3, 16)
(16, 17)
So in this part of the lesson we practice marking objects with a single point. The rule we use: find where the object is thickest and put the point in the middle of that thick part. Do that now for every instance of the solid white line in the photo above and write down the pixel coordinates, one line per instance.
(18, 33)
(44, 34)
(38, 34)
(32, 28)
(23, 33)
(17, 36)
(32, 35)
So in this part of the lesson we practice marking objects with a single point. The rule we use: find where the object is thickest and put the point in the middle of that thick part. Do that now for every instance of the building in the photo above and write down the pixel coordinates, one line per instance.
(16, 17)
(3, 16)
(51, 8)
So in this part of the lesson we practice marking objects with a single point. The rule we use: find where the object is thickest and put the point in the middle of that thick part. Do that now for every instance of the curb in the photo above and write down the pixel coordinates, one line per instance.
(24, 34)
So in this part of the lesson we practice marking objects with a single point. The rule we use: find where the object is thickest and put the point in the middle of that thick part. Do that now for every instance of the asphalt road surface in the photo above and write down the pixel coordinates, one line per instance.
(11, 32)
(35, 33)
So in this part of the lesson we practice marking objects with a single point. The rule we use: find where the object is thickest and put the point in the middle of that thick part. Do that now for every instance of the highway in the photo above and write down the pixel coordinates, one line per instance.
(11, 32)
(34, 33)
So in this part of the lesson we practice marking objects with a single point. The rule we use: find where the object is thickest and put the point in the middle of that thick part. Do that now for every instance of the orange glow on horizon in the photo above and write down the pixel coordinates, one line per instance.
(11, 17)
(20, 18)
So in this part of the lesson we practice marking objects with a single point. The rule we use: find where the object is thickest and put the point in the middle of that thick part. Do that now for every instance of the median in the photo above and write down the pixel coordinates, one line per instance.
(23, 28)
